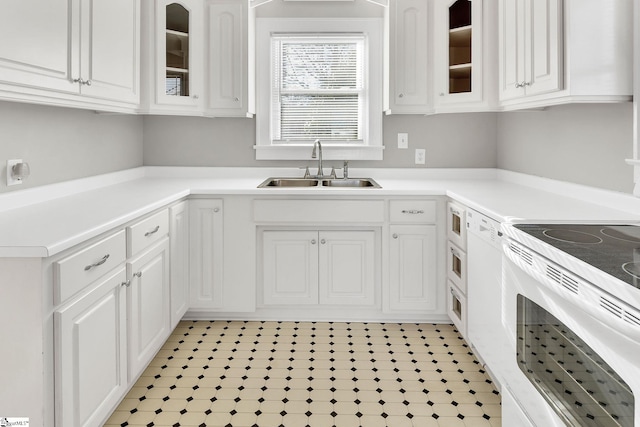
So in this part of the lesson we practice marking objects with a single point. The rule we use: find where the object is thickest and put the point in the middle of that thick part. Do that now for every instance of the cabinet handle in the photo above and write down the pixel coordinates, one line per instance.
(127, 283)
(88, 82)
(138, 274)
(149, 233)
(401, 95)
(236, 99)
(455, 211)
(196, 97)
(78, 81)
(96, 264)
(455, 253)
(216, 210)
(412, 211)
(323, 241)
(395, 235)
(313, 241)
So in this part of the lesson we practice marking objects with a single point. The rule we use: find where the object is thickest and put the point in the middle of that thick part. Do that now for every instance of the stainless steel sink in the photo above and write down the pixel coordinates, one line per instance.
(289, 182)
(351, 183)
(313, 182)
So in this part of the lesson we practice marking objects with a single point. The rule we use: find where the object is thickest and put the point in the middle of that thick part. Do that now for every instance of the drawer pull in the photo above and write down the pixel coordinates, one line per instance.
(455, 212)
(455, 253)
(96, 264)
(413, 211)
(149, 233)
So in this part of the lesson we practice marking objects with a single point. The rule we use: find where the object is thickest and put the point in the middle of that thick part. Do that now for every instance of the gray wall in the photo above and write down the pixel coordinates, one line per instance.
(62, 144)
(585, 144)
(450, 140)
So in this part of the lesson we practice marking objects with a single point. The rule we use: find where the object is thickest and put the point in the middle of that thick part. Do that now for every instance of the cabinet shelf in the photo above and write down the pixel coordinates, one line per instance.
(177, 70)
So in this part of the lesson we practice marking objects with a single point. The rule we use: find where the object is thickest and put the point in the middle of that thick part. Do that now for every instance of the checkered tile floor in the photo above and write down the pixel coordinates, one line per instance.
(311, 374)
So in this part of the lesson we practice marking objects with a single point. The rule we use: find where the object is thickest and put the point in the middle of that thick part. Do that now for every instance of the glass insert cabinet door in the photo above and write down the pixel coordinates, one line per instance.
(177, 46)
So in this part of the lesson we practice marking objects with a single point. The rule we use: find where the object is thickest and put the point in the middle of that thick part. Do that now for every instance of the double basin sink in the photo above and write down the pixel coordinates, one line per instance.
(319, 183)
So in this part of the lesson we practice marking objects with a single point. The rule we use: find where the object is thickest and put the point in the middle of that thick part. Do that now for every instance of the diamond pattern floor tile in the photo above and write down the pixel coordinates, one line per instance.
(311, 374)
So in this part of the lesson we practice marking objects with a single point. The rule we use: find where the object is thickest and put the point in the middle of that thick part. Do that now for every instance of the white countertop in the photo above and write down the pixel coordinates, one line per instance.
(44, 221)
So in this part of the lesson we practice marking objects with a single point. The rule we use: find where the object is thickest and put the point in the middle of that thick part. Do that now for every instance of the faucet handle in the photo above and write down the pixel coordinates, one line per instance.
(307, 175)
(333, 173)
(345, 169)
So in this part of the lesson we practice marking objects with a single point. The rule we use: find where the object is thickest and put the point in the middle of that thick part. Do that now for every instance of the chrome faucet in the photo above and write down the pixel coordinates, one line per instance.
(317, 144)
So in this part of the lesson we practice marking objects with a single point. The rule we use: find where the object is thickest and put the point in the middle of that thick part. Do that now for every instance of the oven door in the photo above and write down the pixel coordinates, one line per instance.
(584, 368)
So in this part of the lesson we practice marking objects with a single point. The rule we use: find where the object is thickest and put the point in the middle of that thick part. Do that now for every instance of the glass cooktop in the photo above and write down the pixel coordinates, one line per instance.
(614, 249)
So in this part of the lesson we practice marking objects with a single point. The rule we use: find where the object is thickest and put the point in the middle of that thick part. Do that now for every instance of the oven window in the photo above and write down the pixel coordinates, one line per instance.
(581, 387)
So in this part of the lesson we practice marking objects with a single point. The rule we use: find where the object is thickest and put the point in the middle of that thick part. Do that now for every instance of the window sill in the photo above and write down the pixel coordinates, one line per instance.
(329, 152)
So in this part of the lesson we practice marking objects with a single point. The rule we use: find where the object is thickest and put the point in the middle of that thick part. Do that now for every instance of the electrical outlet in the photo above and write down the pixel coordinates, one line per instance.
(10, 179)
(403, 140)
(420, 156)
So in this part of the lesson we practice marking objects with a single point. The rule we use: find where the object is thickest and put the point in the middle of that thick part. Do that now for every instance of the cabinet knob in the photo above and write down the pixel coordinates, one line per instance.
(401, 95)
(395, 236)
(127, 283)
(216, 210)
(236, 99)
(88, 82)
(137, 274)
(313, 241)
(196, 97)
(323, 241)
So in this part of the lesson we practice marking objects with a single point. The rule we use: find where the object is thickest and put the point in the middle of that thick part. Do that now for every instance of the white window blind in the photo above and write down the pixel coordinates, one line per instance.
(317, 88)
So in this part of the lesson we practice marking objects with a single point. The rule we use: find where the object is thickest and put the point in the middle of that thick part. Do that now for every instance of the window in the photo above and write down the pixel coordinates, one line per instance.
(319, 79)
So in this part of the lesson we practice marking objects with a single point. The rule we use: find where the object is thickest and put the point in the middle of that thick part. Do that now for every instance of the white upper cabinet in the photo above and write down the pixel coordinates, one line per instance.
(554, 52)
(72, 53)
(177, 60)
(463, 55)
(200, 61)
(408, 57)
(228, 59)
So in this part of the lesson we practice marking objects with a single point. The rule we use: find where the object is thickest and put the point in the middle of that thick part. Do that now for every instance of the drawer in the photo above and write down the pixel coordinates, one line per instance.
(78, 270)
(412, 211)
(457, 308)
(456, 224)
(318, 211)
(457, 266)
(146, 232)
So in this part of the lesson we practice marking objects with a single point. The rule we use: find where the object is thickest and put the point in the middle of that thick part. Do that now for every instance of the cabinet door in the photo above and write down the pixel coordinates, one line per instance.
(90, 358)
(347, 267)
(530, 43)
(148, 306)
(512, 44)
(412, 266)
(543, 67)
(36, 47)
(227, 58)
(179, 63)
(408, 52)
(458, 51)
(290, 267)
(207, 276)
(110, 49)
(179, 235)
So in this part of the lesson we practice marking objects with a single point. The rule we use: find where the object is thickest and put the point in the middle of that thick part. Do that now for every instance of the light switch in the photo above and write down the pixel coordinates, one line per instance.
(403, 140)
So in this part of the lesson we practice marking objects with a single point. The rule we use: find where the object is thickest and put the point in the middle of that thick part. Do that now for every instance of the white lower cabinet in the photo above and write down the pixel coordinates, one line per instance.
(90, 353)
(206, 247)
(318, 267)
(179, 232)
(148, 305)
(413, 267)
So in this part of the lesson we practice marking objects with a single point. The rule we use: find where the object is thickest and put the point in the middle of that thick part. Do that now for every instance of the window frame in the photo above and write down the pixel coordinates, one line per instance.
(370, 147)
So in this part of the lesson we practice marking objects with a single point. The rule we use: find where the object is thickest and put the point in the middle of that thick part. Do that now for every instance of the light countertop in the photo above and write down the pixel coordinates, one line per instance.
(44, 221)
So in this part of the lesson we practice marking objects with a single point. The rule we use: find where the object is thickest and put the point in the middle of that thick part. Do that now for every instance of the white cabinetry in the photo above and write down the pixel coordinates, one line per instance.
(311, 267)
(201, 61)
(179, 234)
(148, 305)
(228, 49)
(560, 51)
(91, 374)
(531, 47)
(207, 260)
(413, 256)
(457, 266)
(81, 54)
(464, 46)
(408, 57)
